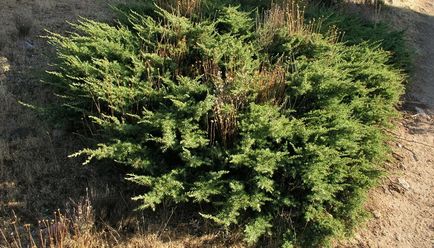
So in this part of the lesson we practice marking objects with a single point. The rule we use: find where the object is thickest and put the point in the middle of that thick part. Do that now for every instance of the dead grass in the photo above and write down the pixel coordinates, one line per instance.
(183, 7)
(3, 39)
(366, 2)
(37, 178)
(73, 230)
(77, 228)
(23, 22)
(289, 14)
(369, 9)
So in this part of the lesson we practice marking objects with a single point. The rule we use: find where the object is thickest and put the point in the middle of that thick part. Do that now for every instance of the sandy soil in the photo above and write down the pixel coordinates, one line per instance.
(403, 206)
(418, 17)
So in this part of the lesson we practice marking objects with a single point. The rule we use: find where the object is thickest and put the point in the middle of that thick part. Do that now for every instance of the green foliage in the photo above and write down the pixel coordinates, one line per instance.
(356, 30)
(284, 134)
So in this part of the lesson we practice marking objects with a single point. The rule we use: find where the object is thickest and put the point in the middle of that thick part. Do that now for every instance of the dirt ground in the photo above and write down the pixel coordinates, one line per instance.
(32, 155)
(35, 174)
(403, 205)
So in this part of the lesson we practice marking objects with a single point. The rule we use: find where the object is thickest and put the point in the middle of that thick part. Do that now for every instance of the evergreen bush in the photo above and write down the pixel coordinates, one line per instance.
(355, 30)
(274, 127)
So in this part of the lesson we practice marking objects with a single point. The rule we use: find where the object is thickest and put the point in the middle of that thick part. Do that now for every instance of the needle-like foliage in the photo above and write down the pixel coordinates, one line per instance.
(275, 126)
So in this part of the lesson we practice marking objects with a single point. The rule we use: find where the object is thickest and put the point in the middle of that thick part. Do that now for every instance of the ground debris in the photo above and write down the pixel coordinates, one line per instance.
(377, 214)
(400, 185)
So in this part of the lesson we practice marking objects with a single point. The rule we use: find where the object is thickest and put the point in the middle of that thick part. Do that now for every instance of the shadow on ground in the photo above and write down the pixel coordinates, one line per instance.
(418, 102)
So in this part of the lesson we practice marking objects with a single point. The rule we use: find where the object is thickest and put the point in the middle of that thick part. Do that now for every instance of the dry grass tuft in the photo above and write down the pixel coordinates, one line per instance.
(366, 2)
(24, 22)
(75, 229)
(369, 9)
(183, 7)
(45, 5)
(289, 14)
(3, 40)
(272, 85)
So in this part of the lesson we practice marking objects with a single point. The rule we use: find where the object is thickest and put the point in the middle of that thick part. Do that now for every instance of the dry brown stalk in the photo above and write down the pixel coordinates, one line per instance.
(181, 7)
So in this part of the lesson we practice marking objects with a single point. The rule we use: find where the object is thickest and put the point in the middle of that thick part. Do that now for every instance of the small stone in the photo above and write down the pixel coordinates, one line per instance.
(400, 186)
(29, 45)
(403, 184)
(377, 214)
(399, 145)
(422, 113)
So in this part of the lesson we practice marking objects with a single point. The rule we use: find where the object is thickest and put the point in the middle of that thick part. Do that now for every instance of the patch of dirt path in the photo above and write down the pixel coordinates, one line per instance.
(418, 16)
(403, 206)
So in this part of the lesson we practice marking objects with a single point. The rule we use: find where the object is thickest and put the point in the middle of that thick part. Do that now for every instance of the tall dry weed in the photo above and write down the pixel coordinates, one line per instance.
(183, 7)
(73, 229)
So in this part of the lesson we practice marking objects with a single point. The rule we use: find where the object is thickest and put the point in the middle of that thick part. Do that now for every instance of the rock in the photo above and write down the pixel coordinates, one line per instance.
(422, 113)
(400, 186)
(28, 45)
(377, 214)
(403, 184)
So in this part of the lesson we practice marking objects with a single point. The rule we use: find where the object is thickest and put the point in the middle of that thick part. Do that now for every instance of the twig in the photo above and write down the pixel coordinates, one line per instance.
(397, 156)
(412, 152)
(4, 237)
(167, 222)
(411, 141)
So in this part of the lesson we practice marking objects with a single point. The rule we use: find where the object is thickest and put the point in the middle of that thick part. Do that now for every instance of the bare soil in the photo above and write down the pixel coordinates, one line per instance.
(403, 205)
(36, 177)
